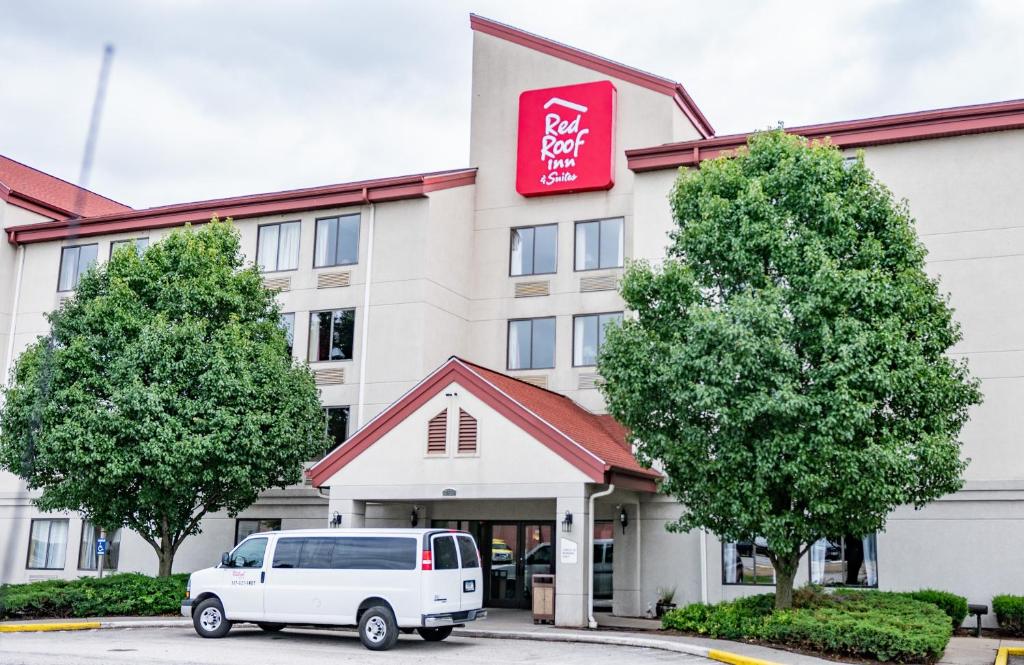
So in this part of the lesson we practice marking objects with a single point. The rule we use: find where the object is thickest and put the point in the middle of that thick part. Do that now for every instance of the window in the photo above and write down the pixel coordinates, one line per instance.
(534, 250)
(74, 261)
(337, 424)
(87, 559)
(140, 245)
(286, 552)
(747, 562)
(317, 553)
(531, 343)
(599, 244)
(588, 336)
(245, 528)
(847, 561)
(467, 550)
(288, 324)
(249, 554)
(330, 334)
(375, 553)
(337, 241)
(48, 542)
(445, 556)
(277, 246)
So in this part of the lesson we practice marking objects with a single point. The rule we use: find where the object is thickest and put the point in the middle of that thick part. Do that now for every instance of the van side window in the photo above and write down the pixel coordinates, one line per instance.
(286, 554)
(467, 549)
(316, 552)
(375, 553)
(445, 557)
(249, 554)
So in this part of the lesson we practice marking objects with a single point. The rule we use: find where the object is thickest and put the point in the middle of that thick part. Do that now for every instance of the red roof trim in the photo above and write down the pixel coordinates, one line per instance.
(597, 63)
(40, 181)
(255, 205)
(901, 128)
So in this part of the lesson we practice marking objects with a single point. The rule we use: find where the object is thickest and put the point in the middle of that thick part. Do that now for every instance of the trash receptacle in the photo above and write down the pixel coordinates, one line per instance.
(543, 591)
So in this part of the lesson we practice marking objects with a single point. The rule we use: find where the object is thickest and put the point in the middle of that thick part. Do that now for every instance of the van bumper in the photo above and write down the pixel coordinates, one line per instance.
(186, 608)
(452, 618)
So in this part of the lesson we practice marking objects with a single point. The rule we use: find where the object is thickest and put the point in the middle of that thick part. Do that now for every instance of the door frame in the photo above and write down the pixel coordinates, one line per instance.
(522, 599)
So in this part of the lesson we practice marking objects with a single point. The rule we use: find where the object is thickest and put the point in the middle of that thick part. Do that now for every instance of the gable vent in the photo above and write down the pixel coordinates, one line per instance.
(437, 434)
(331, 280)
(467, 433)
(539, 380)
(278, 283)
(599, 283)
(329, 377)
(533, 289)
(589, 381)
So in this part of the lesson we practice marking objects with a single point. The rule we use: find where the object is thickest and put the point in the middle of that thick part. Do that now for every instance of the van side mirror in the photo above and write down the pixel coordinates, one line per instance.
(225, 559)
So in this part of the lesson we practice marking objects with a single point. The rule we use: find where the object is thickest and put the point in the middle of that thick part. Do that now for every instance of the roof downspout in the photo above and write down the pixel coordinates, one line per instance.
(9, 360)
(365, 335)
(591, 621)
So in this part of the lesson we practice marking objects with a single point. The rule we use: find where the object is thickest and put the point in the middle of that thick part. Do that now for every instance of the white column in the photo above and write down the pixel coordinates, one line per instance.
(572, 552)
(626, 564)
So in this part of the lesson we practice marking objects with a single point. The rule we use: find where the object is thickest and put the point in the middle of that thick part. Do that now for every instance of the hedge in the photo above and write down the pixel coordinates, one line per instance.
(862, 624)
(122, 594)
(950, 603)
(1010, 613)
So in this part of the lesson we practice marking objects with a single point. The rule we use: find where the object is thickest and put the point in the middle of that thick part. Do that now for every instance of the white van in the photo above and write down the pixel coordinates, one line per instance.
(384, 581)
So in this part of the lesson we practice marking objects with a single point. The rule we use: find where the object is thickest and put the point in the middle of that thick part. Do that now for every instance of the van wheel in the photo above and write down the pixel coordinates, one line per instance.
(434, 634)
(270, 627)
(378, 630)
(208, 619)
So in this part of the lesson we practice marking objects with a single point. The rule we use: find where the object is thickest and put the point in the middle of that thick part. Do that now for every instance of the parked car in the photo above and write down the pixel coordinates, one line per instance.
(384, 581)
(500, 551)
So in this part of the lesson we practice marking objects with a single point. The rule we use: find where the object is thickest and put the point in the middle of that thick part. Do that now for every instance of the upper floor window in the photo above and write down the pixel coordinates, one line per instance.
(337, 424)
(288, 324)
(531, 343)
(87, 558)
(277, 247)
(534, 250)
(599, 244)
(588, 336)
(337, 241)
(331, 334)
(74, 261)
(847, 561)
(48, 543)
(140, 245)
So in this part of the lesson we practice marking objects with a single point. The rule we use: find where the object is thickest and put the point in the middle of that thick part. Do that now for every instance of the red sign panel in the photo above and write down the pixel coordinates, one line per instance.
(566, 137)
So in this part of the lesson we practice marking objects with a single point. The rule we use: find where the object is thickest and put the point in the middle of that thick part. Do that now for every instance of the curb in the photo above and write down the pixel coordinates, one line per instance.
(88, 625)
(1003, 653)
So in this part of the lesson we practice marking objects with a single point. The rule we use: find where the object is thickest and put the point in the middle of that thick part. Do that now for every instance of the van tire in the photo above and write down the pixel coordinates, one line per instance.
(434, 634)
(378, 630)
(270, 627)
(208, 619)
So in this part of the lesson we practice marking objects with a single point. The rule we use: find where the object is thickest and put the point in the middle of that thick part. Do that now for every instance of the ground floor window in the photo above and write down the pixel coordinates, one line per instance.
(245, 528)
(48, 544)
(847, 561)
(746, 562)
(87, 559)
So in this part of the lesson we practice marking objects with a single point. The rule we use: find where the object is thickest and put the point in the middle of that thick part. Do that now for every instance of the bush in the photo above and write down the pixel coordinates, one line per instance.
(123, 594)
(953, 605)
(863, 624)
(1010, 613)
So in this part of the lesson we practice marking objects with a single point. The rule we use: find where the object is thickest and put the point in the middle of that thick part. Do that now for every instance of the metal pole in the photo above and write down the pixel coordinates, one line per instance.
(102, 558)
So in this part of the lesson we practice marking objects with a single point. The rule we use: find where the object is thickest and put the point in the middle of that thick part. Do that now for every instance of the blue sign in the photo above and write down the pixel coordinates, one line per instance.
(101, 546)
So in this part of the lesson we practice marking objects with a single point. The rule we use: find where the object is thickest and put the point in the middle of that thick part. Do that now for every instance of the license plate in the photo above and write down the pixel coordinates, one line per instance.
(468, 586)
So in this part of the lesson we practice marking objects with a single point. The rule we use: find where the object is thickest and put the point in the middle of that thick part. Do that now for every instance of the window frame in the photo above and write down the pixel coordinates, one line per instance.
(575, 243)
(238, 541)
(622, 315)
(60, 263)
(511, 234)
(277, 254)
(28, 550)
(115, 243)
(309, 339)
(359, 237)
(508, 343)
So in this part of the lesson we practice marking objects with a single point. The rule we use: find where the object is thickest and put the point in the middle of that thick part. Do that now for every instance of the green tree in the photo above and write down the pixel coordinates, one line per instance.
(787, 365)
(163, 392)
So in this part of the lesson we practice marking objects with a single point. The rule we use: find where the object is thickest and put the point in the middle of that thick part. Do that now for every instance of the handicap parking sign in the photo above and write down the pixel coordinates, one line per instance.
(101, 546)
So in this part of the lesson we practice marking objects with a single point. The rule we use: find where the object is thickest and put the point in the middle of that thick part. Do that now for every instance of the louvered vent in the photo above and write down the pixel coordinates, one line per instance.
(437, 434)
(329, 377)
(278, 283)
(533, 289)
(589, 381)
(599, 283)
(539, 380)
(65, 296)
(331, 280)
(467, 433)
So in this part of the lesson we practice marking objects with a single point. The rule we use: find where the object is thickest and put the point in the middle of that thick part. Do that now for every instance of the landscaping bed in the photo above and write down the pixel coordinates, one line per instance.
(898, 627)
(122, 594)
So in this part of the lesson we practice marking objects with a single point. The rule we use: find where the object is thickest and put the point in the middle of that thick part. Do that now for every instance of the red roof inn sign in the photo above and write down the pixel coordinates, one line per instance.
(565, 139)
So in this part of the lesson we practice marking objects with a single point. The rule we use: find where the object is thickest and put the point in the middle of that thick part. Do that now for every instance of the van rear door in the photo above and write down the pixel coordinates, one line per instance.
(443, 584)
(472, 597)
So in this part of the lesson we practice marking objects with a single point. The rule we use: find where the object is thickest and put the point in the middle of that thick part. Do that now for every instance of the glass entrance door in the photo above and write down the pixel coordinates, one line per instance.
(516, 551)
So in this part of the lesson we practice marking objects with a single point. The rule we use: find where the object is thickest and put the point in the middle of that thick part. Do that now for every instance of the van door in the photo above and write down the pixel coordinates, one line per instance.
(242, 589)
(443, 584)
(472, 574)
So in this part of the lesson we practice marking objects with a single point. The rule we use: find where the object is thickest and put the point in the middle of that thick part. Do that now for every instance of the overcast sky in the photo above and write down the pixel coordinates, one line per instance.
(212, 99)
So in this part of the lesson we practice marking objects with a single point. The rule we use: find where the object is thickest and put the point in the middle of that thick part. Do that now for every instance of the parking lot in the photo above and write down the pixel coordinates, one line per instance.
(250, 646)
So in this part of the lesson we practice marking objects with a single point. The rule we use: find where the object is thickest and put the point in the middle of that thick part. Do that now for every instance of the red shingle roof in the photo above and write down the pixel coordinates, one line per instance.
(46, 194)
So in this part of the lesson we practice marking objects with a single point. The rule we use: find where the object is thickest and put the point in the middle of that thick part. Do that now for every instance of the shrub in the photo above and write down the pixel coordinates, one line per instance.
(953, 605)
(1010, 613)
(123, 594)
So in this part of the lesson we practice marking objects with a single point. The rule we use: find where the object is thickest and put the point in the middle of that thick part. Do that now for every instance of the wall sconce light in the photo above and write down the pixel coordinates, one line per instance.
(335, 520)
(567, 522)
(623, 518)
(414, 517)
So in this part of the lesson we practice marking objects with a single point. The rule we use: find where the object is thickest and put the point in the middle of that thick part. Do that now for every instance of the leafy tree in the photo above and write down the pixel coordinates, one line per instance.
(787, 366)
(163, 392)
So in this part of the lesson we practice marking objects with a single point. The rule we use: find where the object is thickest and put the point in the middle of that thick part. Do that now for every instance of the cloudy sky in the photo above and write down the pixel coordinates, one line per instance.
(211, 99)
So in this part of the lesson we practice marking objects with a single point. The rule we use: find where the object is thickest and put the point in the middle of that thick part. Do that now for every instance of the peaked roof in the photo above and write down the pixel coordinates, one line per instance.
(594, 444)
(40, 192)
(595, 62)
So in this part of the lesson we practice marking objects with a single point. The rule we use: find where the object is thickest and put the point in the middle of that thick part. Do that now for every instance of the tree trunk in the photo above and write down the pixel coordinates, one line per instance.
(166, 551)
(785, 573)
